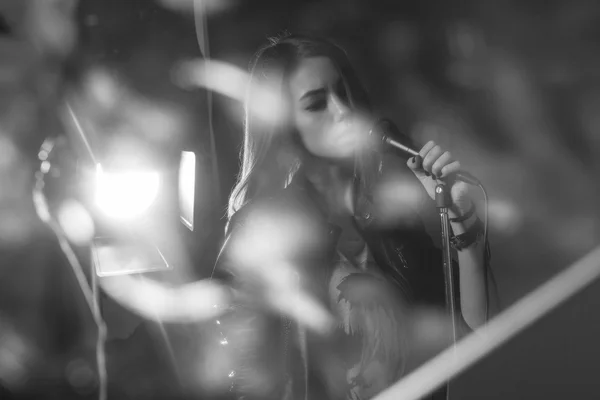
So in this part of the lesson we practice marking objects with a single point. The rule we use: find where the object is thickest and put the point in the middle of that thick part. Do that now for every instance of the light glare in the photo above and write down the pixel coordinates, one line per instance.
(125, 194)
(193, 302)
(76, 222)
(187, 185)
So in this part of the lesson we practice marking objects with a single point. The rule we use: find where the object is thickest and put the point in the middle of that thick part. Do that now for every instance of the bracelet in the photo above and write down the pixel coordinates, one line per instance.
(470, 237)
(466, 216)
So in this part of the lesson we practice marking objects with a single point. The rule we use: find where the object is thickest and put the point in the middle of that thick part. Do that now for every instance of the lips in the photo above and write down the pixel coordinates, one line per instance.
(351, 132)
(343, 139)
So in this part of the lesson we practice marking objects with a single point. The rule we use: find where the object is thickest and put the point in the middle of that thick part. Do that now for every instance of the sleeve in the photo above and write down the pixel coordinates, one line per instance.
(413, 240)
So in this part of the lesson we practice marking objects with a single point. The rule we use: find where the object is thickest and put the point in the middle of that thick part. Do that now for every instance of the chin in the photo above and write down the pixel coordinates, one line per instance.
(343, 150)
(343, 160)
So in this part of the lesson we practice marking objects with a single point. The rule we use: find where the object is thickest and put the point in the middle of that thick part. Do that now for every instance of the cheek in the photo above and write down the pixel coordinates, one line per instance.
(312, 132)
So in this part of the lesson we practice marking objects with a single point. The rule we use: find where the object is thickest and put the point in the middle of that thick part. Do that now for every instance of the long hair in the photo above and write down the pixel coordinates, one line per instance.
(272, 152)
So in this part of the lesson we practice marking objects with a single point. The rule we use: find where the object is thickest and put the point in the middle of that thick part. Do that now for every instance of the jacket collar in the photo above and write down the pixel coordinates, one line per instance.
(363, 201)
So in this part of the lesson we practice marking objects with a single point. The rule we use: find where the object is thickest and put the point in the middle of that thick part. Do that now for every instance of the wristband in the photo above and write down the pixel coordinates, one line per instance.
(470, 237)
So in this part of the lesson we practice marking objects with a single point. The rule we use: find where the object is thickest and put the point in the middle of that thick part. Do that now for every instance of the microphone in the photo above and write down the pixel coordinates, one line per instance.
(383, 130)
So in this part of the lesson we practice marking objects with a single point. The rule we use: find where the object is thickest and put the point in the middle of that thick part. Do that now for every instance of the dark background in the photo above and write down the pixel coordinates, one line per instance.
(511, 87)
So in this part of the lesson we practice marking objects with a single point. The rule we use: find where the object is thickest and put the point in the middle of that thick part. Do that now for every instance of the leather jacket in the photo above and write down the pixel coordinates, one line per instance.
(405, 253)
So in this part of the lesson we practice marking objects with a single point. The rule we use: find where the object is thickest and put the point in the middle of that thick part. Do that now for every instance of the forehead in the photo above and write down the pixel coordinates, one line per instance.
(313, 73)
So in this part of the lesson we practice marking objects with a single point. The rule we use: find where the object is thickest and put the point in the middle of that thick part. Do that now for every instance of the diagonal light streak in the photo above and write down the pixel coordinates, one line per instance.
(500, 330)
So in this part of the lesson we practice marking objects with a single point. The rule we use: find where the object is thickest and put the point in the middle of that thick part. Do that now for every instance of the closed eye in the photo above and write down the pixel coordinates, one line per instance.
(318, 97)
(317, 105)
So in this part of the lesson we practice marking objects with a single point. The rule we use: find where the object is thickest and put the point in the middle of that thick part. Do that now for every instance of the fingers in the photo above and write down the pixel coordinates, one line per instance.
(449, 169)
(431, 157)
(442, 160)
(415, 164)
(425, 149)
(436, 161)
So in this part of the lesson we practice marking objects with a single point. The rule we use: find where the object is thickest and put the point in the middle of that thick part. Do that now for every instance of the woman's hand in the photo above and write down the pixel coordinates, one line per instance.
(433, 165)
(430, 166)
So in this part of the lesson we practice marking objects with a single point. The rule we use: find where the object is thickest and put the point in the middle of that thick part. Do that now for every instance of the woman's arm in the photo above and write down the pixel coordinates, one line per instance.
(431, 166)
(473, 296)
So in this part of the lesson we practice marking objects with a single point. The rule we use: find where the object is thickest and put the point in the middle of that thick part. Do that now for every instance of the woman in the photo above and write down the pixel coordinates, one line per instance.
(310, 162)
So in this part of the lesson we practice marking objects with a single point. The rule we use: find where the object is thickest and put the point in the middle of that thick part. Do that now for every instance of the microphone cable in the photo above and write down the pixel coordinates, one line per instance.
(385, 132)
(487, 256)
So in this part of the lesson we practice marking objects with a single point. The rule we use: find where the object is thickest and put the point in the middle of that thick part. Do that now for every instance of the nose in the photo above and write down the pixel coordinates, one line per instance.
(341, 110)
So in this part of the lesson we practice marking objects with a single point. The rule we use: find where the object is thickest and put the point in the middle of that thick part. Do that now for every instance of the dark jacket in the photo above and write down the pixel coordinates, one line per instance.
(405, 253)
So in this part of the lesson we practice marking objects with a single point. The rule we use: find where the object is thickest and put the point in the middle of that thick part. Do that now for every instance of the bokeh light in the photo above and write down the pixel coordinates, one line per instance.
(81, 376)
(262, 255)
(397, 197)
(193, 302)
(16, 356)
(103, 88)
(504, 216)
(231, 81)
(76, 222)
(109, 112)
(219, 76)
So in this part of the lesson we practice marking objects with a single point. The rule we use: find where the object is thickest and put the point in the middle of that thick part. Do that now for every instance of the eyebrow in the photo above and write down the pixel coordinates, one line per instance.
(313, 93)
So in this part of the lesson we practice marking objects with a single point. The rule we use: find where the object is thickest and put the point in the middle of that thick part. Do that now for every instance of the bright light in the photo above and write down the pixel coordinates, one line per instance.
(187, 184)
(125, 194)
(76, 222)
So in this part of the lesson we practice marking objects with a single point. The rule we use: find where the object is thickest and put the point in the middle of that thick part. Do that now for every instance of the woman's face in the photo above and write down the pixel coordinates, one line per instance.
(320, 109)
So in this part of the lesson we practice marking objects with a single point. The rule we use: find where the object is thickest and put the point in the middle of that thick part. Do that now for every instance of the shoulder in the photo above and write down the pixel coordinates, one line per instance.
(286, 204)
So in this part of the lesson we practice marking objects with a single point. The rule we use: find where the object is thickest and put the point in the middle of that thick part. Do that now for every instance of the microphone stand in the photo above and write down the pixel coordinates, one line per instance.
(443, 202)
(382, 133)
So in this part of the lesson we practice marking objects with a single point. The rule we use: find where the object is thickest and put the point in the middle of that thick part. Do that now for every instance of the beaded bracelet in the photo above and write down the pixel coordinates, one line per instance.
(470, 237)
